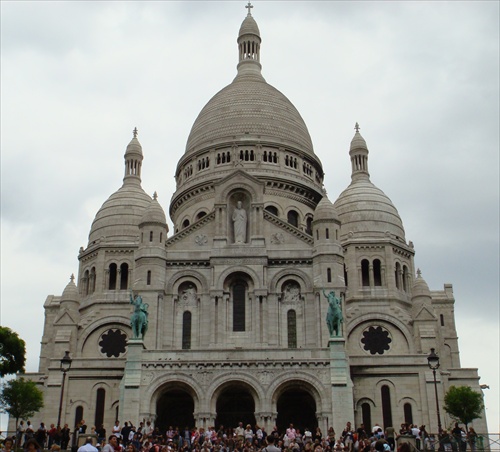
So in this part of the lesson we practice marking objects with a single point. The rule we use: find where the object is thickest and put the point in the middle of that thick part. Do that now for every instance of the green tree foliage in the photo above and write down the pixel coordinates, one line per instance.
(21, 398)
(12, 352)
(463, 404)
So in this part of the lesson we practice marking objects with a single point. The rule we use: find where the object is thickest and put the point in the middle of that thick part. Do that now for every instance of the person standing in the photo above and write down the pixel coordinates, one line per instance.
(88, 447)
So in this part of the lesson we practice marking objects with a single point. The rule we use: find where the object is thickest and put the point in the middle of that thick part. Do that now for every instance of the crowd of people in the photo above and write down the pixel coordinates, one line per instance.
(146, 438)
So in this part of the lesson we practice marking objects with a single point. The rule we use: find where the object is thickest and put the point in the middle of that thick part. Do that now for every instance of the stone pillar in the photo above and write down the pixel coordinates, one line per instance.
(371, 279)
(130, 386)
(340, 378)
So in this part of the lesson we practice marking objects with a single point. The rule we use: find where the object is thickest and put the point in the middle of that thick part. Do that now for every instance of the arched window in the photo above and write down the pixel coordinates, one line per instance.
(386, 406)
(124, 277)
(112, 276)
(408, 413)
(78, 414)
(329, 274)
(293, 218)
(441, 319)
(405, 278)
(365, 278)
(86, 283)
(291, 321)
(92, 280)
(309, 228)
(366, 415)
(239, 292)
(200, 215)
(185, 224)
(272, 209)
(345, 276)
(99, 407)
(148, 278)
(327, 233)
(396, 274)
(186, 330)
(377, 272)
(150, 236)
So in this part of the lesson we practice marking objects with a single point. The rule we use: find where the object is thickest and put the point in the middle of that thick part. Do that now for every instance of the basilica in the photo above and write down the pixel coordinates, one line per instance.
(232, 304)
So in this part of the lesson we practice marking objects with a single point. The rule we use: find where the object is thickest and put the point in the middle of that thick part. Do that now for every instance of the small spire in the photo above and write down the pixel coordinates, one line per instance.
(249, 7)
(419, 273)
(356, 127)
(135, 132)
(155, 195)
(72, 277)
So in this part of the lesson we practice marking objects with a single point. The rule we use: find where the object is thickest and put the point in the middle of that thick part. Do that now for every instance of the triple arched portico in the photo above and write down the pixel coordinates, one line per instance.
(209, 397)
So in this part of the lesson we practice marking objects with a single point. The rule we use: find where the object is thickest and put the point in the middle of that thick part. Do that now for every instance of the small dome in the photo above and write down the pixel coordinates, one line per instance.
(70, 293)
(249, 26)
(154, 213)
(358, 142)
(325, 210)
(134, 147)
(365, 209)
(118, 218)
(420, 287)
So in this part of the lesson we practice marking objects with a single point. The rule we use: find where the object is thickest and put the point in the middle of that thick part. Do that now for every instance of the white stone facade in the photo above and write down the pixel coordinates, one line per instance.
(237, 331)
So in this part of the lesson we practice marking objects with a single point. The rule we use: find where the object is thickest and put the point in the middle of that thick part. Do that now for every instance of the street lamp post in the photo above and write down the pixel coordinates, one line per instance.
(65, 367)
(433, 361)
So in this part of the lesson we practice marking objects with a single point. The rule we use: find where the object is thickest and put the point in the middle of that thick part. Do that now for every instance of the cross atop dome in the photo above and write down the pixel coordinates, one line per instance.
(72, 277)
(249, 7)
(135, 132)
(155, 195)
(356, 127)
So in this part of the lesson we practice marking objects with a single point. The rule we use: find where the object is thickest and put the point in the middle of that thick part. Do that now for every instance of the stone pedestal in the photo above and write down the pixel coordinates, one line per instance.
(131, 381)
(340, 378)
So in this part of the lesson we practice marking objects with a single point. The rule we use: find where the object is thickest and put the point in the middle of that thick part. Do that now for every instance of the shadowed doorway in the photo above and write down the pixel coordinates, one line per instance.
(175, 408)
(235, 404)
(297, 407)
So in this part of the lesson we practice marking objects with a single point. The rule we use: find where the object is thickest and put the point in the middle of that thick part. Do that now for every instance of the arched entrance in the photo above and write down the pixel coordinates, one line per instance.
(175, 407)
(235, 404)
(296, 406)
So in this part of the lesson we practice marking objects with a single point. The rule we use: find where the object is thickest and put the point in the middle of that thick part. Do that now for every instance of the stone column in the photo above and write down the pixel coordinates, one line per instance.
(130, 391)
(341, 384)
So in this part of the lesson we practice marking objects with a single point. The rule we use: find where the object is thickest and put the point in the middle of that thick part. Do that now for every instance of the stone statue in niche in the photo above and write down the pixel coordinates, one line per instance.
(188, 294)
(334, 315)
(291, 293)
(240, 223)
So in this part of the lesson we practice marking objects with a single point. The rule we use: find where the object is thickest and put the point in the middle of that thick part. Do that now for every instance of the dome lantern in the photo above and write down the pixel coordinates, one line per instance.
(359, 156)
(249, 46)
(133, 160)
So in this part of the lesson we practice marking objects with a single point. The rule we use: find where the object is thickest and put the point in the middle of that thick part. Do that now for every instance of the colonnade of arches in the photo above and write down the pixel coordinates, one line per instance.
(384, 414)
(116, 278)
(234, 402)
(372, 273)
(243, 309)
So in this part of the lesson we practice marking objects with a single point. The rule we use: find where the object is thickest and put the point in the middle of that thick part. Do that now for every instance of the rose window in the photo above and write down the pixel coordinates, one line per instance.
(376, 340)
(113, 343)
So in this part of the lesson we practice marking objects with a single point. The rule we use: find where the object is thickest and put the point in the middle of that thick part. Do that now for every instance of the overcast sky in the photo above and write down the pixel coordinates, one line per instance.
(421, 78)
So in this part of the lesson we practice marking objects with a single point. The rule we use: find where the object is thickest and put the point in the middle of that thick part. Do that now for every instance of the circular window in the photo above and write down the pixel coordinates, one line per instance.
(113, 343)
(376, 340)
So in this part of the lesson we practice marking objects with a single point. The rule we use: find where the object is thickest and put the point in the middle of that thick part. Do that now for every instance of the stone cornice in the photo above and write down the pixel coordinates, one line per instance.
(190, 229)
(288, 227)
(249, 364)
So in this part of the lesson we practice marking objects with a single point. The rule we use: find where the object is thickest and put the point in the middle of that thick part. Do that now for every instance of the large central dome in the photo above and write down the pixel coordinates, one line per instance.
(249, 107)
